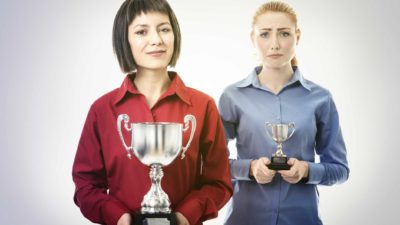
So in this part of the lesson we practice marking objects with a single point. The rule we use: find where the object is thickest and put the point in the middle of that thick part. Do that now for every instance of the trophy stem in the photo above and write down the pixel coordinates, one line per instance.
(156, 200)
(279, 152)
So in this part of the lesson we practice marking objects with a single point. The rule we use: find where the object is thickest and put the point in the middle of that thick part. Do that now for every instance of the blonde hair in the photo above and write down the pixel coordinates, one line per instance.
(278, 6)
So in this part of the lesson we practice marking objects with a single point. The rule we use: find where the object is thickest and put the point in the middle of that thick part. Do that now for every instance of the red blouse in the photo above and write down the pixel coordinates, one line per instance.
(109, 184)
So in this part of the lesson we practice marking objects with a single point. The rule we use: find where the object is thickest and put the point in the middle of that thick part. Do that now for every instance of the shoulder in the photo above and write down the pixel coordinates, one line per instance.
(235, 89)
(317, 89)
(105, 100)
(321, 97)
(243, 84)
(197, 96)
(236, 86)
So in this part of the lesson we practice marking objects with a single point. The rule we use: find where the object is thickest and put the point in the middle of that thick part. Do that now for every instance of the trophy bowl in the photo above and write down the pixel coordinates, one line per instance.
(156, 144)
(279, 133)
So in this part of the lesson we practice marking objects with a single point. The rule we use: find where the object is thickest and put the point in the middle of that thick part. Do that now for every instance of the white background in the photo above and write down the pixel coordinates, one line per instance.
(56, 58)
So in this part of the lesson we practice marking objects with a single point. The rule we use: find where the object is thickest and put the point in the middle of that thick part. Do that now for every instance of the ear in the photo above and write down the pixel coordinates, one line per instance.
(298, 34)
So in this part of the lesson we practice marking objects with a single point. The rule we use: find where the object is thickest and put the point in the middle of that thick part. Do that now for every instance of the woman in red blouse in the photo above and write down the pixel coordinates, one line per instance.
(109, 185)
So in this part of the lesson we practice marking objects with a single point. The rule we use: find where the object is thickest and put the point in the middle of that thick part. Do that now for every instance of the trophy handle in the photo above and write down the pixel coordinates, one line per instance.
(125, 118)
(291, 125)
(188, 118)
(267, 126)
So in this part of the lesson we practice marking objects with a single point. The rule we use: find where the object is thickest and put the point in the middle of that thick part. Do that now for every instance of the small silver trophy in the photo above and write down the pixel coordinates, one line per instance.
(156, 144)
(279, 133)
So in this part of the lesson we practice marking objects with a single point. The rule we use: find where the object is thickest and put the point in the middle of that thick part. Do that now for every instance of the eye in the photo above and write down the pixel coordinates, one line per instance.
(140, 32)
(264, 34)
(165, 29)
(285, 34)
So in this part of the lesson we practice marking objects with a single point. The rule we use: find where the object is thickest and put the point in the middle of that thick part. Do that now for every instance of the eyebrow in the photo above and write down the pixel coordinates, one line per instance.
(269, 29)
(145, 25)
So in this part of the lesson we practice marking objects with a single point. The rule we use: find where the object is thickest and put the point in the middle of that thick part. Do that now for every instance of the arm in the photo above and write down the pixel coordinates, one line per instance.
(333, 167)
(90, 178)
(240, 168)
(215, 182)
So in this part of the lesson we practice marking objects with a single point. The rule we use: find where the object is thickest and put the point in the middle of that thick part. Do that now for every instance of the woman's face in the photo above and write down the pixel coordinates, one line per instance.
(275, 37)
(151, 39)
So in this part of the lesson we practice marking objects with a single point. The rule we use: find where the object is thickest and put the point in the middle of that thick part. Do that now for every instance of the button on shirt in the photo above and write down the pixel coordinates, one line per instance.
(245, 108)
(109, 184)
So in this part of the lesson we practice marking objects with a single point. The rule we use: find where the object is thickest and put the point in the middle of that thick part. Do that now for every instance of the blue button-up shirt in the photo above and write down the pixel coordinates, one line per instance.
(246, 106)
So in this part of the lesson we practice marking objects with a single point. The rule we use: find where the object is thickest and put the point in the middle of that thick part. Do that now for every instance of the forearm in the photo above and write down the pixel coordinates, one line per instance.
(214, 184)
(97, 206)
(204, 203)
(240, 169)
(327, 173)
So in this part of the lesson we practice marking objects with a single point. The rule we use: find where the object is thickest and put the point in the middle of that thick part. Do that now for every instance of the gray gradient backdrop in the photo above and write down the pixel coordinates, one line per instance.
(56, 59)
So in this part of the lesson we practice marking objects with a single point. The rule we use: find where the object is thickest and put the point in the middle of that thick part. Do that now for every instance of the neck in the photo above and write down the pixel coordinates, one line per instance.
(275, 78)
(152, 84)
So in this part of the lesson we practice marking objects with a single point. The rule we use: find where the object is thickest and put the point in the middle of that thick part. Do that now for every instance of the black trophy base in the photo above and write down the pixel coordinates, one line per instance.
(278, 163)
(155, 219)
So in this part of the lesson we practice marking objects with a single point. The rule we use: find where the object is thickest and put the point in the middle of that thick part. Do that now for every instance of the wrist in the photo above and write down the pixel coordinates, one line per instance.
(251, 175)
(306, 169)
(304, 178)
(252, 164)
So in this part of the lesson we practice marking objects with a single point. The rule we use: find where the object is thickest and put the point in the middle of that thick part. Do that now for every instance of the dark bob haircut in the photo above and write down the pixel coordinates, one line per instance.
(125, 15)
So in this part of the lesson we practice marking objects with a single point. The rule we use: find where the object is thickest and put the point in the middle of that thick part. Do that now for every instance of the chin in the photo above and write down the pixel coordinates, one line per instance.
(276, 65)
(155, 66)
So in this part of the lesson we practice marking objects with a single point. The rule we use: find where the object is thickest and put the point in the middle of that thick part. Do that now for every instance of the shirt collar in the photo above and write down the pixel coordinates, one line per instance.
(176, 87)
(252, 79)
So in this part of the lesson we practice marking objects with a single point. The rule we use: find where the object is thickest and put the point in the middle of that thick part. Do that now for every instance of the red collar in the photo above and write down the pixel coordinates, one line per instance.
(176, 87)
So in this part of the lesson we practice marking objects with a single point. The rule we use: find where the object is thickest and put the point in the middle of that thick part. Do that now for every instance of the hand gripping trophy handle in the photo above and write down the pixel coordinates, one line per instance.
(186, 120)
(125, 118)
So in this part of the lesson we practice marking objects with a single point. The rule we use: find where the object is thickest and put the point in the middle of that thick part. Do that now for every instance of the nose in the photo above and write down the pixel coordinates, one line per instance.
(275, 43)
(155, 38)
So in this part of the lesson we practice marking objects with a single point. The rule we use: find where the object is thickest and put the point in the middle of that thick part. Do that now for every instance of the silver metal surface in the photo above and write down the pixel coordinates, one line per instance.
(156, 221)
(280, 133)
(156, 144)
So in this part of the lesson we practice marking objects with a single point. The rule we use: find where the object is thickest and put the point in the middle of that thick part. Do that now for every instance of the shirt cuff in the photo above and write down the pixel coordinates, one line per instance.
(113, 210)
(191, 210)
(240, 169)
(316, 173)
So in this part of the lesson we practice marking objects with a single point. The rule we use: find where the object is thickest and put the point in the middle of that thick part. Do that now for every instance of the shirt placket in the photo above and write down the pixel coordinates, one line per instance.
(277, 118)
(150, 113)
(278, 109)
(154, 114)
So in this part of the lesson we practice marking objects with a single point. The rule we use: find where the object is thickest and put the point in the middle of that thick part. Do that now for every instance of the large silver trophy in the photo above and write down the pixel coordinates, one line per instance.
(156, 144)
(279, 133)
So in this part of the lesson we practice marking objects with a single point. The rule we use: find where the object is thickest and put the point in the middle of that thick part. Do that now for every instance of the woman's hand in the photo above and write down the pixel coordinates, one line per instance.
(260, 171)
(298, 170)
(181, 219)
(125, 219)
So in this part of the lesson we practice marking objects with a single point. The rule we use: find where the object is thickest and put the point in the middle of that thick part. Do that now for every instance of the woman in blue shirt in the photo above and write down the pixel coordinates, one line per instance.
(276, 92)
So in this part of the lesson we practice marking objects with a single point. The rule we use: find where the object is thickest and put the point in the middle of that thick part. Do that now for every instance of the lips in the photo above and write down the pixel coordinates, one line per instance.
(156, 53)
(274, 56)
